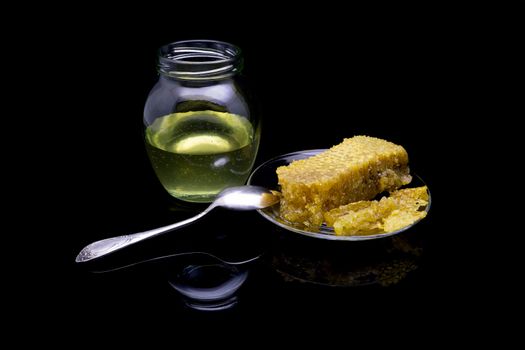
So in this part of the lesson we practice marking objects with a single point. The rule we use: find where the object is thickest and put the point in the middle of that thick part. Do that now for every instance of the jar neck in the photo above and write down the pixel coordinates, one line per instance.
(198, 60)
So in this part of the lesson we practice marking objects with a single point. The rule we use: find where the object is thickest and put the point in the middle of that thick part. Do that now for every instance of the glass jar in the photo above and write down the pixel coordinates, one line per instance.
(201, 132)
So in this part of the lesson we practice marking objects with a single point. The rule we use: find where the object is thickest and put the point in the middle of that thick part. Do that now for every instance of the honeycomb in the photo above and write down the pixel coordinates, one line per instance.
(400, 209)
(357, 169)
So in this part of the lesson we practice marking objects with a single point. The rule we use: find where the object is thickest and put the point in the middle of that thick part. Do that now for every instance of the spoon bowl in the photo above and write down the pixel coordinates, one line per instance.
(235, 198)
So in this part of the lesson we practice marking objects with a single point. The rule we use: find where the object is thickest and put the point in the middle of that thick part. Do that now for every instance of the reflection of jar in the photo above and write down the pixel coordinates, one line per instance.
(201, 134)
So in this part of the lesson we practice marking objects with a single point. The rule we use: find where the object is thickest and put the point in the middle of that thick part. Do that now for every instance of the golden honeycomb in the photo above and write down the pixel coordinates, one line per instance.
(400, 209)
(357, 169)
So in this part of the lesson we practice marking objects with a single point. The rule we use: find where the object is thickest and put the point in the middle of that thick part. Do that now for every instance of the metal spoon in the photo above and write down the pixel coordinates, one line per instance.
(237, 198)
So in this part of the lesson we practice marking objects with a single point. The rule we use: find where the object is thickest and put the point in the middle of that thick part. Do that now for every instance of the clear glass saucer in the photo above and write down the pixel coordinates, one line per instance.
(265, 176)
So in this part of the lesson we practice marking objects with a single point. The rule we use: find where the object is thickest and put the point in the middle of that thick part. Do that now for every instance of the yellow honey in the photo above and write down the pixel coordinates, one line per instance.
(400, 209)
(357, 169)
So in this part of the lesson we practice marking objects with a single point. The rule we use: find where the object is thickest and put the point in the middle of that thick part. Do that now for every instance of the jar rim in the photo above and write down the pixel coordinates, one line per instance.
(199, 59)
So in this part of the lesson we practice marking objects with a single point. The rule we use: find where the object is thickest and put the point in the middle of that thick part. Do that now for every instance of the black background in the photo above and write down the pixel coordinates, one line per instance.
(405, 75)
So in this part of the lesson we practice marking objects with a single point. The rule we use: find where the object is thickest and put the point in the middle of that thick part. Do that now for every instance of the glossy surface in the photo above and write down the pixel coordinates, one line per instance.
(402, 81)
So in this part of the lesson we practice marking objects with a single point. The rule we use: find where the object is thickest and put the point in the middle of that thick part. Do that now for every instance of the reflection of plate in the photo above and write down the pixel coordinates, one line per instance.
(383, 265)
(265, 176)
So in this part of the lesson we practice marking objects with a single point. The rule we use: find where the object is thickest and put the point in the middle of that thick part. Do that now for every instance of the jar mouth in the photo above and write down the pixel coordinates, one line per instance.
(199, 60)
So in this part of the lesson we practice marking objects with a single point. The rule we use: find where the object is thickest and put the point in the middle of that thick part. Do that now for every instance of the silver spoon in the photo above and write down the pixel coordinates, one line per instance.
(237, 198)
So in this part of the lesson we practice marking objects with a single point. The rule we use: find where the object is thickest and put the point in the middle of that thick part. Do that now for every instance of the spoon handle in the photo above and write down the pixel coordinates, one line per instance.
(109, 245)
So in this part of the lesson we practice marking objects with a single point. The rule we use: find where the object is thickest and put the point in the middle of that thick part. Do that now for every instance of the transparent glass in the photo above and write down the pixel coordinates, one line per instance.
(201, 130)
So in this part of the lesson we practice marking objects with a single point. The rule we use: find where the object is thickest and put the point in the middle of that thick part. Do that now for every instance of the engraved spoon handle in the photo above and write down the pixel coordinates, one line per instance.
(109, 245)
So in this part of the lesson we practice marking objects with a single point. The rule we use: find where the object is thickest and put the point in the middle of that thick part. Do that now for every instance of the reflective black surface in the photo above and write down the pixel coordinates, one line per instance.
(239, 266)
(395, 84)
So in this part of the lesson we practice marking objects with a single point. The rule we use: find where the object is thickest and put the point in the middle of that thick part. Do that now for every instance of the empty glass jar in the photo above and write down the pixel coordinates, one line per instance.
(201, 132)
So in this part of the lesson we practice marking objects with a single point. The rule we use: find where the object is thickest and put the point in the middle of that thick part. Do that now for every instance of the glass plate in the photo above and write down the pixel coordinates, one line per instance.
(265, 176)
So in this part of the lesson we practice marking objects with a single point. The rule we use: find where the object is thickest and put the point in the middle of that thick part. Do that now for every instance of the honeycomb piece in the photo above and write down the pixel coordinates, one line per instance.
(411, 198)
(389, 214)
(357, 169)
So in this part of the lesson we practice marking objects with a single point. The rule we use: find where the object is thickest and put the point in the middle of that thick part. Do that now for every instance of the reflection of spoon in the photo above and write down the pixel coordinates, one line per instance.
(179, 255)
(204, 281)
(237, 198)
